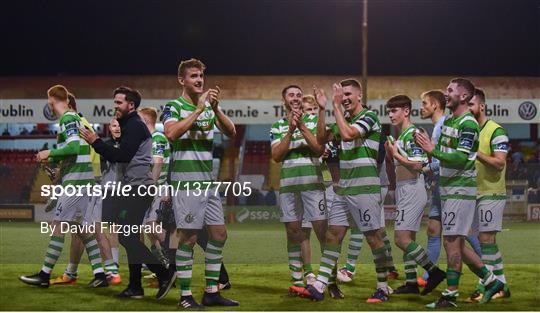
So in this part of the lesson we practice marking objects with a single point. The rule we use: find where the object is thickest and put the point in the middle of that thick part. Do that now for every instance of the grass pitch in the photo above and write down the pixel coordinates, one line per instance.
(257, 263)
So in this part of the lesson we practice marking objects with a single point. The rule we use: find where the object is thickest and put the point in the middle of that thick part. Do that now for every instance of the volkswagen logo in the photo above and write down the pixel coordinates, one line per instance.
(527, 110)
(48, 113)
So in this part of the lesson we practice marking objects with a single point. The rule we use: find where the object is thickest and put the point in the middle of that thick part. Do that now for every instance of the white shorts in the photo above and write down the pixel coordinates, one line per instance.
(489, 215)
(151, 214)
(95, 207)
(365, 211)
(411, 199)
(384, 192)
(72, 209)
(309, 205)
(457, 216)
(193, 212)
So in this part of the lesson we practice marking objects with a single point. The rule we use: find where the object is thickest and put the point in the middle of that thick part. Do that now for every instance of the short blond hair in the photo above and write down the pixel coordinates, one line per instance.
(309, 99)
(184, 65)
(150, 112)
(58, 92)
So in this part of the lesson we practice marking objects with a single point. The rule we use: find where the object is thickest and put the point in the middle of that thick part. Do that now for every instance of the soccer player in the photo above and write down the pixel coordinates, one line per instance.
(310, 107)
(160, 166)
(433, 106)
(356, 239)
(293, 143)
(411, 196)
(456, 151)
(189, 124)
(358, 192)
(491, 188)
(93, 216)
(76, 170)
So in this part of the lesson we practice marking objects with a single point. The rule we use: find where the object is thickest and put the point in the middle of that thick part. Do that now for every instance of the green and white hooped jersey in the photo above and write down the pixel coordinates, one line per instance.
(301, 169)
(406, 142)
(76, 170)
(459, 134)
(358, 157)
(161, 149)
(192, 152)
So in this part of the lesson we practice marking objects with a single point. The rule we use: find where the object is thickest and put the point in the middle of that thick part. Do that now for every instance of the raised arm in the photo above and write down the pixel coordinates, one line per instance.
(460, 156)
(412, 162)
(223, 122)
(174, 125)
(311, 140)
(324, 135)
(346, 131)
(280, 144)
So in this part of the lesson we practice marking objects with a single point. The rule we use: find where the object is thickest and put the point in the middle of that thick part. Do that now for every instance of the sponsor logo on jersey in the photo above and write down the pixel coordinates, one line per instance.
(166, 114)
(72, 129)
(204, 125)
(466, 143)
(72, 132)
(160, 148)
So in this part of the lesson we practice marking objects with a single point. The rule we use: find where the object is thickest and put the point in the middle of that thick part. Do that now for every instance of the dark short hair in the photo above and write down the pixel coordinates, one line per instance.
(132, 95)
(284, 91)
(436, 95)
(467, 84)
(351, 82)
(479, 93)
(72, 103)
(399, 101)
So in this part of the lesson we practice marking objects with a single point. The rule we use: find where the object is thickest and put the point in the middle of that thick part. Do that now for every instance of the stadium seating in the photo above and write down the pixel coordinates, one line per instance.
(256, 158)
(17, 172)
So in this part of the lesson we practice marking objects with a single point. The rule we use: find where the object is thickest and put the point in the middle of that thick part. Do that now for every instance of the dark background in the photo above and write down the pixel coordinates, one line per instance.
(271, 37)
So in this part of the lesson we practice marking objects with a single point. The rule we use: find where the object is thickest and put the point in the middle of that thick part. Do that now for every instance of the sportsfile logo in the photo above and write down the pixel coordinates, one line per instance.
(119, 189)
